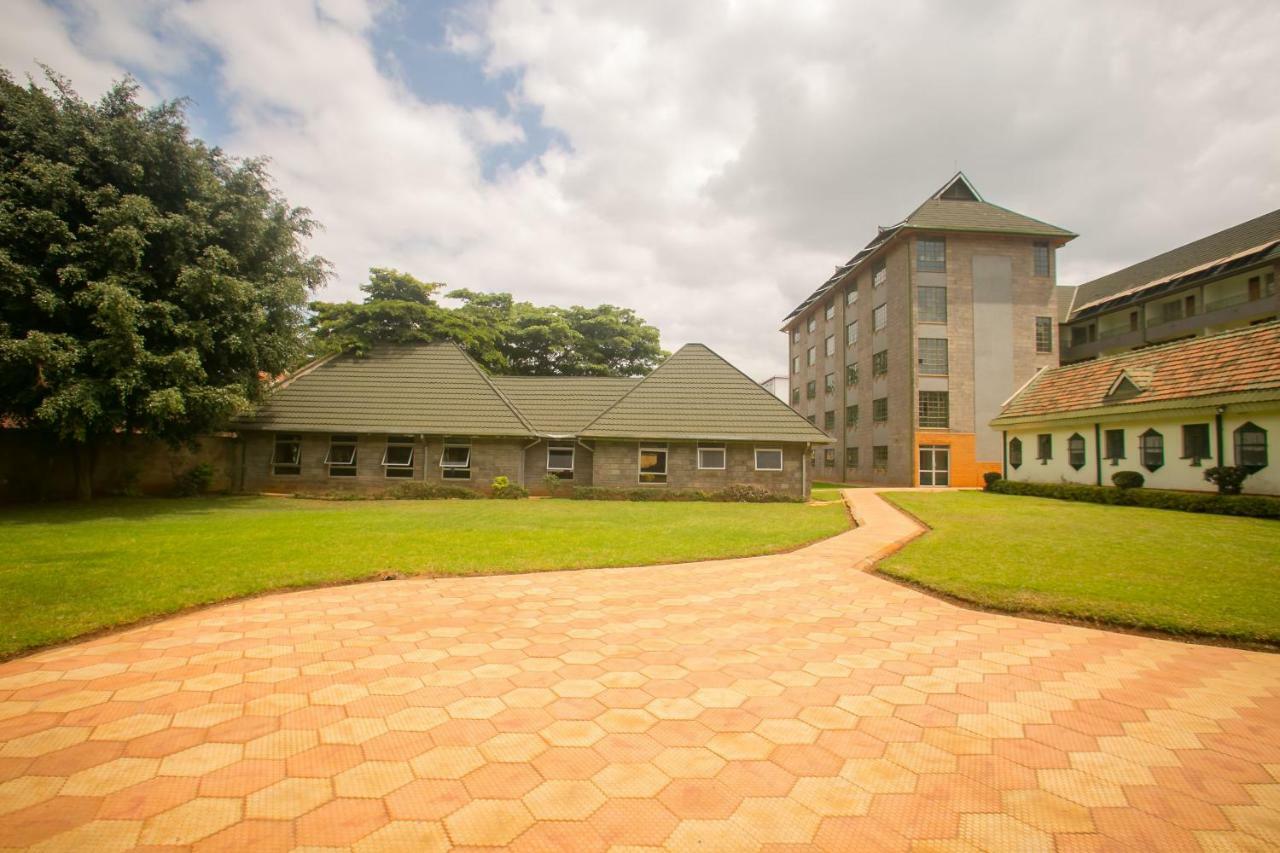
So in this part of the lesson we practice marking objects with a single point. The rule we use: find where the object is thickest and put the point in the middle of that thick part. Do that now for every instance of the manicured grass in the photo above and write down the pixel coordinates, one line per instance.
(1176, 572)
(824, 491)
(69, 569)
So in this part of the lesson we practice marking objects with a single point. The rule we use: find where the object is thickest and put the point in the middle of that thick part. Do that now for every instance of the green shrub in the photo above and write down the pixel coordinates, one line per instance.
(194, 481)
(741, 493)
(1128, 480)
(427, 492)
(1253, 506)
(989, 479)
(1228, 478)
(552, 483)
(503, 489)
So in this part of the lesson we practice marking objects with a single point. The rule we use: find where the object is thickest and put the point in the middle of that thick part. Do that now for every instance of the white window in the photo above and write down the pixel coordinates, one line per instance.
(455, 462)
(879, 318)
(560, 460)
(830, 345)
(878, 274)
(795, 335)
(768, 459)
(653, 464)
(341, 457)
(397, 459)
(813, 323)
(795, 364)
(286, 456)
(830, 310)
(813, 355)
(711, 457)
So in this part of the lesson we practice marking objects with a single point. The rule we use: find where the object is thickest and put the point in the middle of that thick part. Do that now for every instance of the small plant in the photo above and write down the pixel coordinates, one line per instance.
(552, 483)
(1228, 478)
(1127, 480)
(194, 481)
(503, 489)
(989, 479)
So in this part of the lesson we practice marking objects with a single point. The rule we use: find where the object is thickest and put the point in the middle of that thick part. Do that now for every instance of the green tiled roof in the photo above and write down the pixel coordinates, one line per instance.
(430, 388)
(696, 394)
(563, 405)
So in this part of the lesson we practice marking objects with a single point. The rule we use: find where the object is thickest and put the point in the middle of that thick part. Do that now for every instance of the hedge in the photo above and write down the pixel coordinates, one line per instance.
(1253, 506)
(739, 494)
(401, 492)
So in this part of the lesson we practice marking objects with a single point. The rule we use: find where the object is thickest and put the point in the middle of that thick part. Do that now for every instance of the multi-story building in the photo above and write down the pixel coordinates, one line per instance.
(907, 352)
(1217, 283)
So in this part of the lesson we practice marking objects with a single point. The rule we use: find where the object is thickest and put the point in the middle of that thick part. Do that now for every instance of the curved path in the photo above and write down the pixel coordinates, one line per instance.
(737, 704)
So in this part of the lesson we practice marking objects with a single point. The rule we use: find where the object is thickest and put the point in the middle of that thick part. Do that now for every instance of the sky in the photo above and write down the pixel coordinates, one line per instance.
(706, 164)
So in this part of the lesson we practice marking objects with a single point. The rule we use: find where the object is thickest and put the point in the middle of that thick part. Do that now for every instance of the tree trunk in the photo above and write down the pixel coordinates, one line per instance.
(82, 459)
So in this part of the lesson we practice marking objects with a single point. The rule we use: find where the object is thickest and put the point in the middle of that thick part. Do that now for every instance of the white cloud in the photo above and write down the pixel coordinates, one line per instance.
(724, 156)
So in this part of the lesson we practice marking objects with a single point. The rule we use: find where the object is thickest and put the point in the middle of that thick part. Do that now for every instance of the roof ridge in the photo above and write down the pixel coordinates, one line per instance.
(484, 374)
(633, 389)
(770, 394)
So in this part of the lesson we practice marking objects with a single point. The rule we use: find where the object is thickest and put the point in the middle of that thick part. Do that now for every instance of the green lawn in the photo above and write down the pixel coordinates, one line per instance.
(69, 569)
(1177, 572)
(824, 491)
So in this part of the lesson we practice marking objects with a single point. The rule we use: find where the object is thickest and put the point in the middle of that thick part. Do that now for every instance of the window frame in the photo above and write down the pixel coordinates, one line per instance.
(811, 389)
(1044, 344)
(878, 451)
(880, 363)
(931, 369)
(398, 470)
(1077, 451)
(795, 395)
(829, 383)
(454, 470)
(1108, 437)
(1199, 430)
(1040, 251)
(828, 457)
(829, 312)
(1044, 447)
(713, 448)
(666, 465)
(1015, 452)
(934, 396)
(573, 459)
(880, 317)
(879, 273)
(829, 421)
(850, 375)
(755, 457)
(811, 357)
(349, 468)
(1151, 450)
(829, 346)
(812, 324)
(934, 291)
(851, 416)
(925, 260)
(851, 333)
(851, 457)
(286, 438)
(880, 410)
(1249, 428)
(851, 295)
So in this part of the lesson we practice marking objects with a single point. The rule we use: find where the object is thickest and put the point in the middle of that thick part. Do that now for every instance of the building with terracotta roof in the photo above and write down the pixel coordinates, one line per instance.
(908, 350)
(1168, 412)
(429, 413)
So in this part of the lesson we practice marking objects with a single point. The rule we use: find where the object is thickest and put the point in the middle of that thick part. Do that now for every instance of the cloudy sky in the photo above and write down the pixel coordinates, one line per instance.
(704, 163)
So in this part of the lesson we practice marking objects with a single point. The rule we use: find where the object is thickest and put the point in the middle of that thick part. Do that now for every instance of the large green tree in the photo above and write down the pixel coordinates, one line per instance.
(502, 334)
(147, 282)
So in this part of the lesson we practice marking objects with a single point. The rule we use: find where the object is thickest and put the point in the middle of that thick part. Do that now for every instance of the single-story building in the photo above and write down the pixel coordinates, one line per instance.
(428, 412)
(1167, 412)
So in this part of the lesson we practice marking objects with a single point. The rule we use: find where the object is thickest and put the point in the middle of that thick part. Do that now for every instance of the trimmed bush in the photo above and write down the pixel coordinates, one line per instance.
(194, 481)
(742, 493)
(1253, 506)
(427, 492)
(1128, 480)
(552, 483)
(503, 489)
(989, 479)
(1228, 478)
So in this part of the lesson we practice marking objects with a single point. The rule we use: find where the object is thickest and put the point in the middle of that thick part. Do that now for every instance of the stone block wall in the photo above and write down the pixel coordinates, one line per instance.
(617, 465)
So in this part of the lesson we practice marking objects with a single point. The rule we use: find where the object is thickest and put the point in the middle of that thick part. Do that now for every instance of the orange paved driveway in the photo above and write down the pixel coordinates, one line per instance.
(788, 700)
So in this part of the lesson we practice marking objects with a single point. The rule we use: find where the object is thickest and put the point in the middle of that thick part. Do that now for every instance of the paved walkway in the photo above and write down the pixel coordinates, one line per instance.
(787, 702)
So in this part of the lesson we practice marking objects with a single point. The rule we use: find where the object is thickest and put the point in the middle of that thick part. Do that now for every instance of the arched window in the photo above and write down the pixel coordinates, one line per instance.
(1075, 451)
(1251, 447)
(1151, 449)
(1015, 453)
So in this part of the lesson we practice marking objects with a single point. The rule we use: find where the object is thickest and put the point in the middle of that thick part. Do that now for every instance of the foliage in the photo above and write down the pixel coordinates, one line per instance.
(503, 489)
(1184, 574)
(1128, 480)
(1254, 506)
(552, 483)
(194, 481)
(72, 568)
(1228, 478)
(989, 479)
(729, 494)
(147, 282)
(503, 335)
(412, 491)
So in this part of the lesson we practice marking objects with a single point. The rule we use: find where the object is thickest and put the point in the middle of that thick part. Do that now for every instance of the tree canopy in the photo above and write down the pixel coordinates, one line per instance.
(502, 334)
(147, 281)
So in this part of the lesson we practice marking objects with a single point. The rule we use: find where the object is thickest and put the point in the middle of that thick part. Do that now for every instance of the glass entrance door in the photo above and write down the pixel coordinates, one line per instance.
(935, 465)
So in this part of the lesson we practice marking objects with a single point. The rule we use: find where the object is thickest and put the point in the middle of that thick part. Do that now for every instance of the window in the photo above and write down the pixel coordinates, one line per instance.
(931, 254)
(851, 457)
(795, 364)
(880, 363)
(879, 317)
(1044, 447)
(880, 457)
(850, 417)
(829, 383)
(1151, 449)
(1044, 334)
(829, 420)
(829, 457)
(1015, 453)
(812, 356)
(795, 396)
(1115, 445)
(711, 457)
(1083, 334)
(878, 274)
(455, 462)
(1075, 451)
(830, 347)
(1195, 442)
(811, 389)
(935, 409)
(768, 459)
(851, 333)
(1171, 311)
(830, 311)
(653, 464)
(933, 356)
(811, 419)
(813, 323)
(851, 295)
(851, 374)
(341, 457)
(560, 460)
(1251, 447)
(1040, 255)
(795, 335)
(397, 459)
(931, 304)
(286, 456)
(880, 410)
